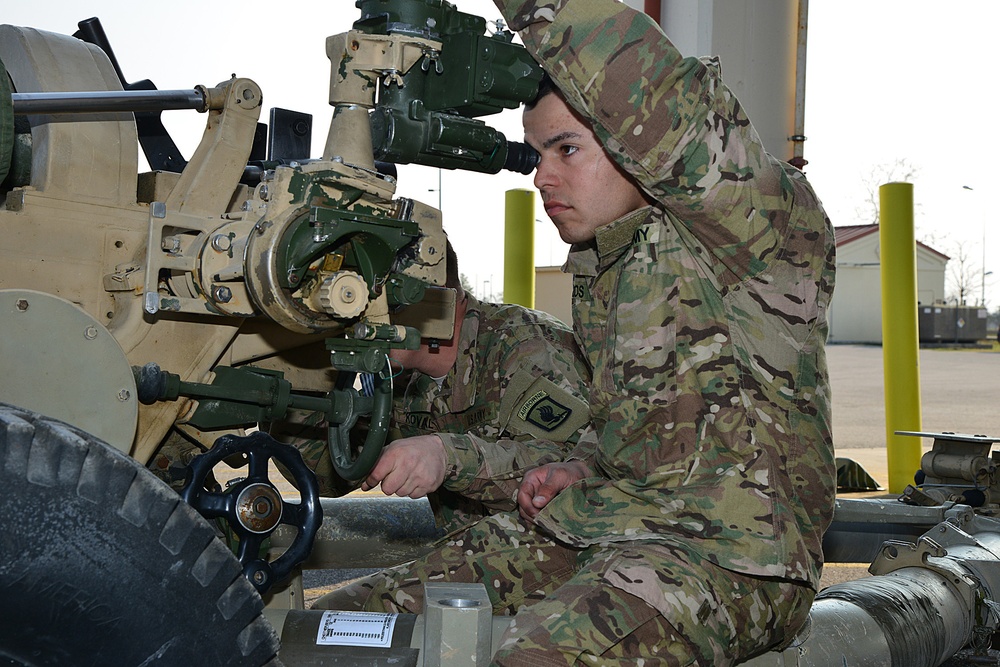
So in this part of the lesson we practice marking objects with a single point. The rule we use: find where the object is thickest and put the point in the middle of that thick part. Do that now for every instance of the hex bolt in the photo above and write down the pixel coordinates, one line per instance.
(90, 333)
(124, 395)
(21, 305)
(222, 294)
(222, 243)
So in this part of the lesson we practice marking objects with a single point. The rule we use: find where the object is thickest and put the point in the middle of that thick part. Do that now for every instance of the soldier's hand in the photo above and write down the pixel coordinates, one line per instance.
(541, 484)
(411, 467)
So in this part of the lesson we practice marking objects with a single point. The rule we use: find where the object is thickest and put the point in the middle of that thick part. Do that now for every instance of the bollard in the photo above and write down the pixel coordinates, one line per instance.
(519, 248)
(900, 353)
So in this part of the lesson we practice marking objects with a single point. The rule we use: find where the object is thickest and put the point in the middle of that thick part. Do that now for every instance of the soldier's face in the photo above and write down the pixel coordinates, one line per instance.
(582, 188)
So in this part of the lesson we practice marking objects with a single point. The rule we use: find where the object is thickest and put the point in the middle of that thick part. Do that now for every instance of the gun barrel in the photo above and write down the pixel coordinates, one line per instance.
(108, 101)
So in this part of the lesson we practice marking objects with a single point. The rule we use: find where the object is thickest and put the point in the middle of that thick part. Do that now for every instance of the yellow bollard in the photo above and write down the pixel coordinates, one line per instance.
(519, 248)
(900, 350)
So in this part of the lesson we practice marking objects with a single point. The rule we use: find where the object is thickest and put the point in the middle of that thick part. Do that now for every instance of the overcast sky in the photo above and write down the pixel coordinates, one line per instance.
(889, 82)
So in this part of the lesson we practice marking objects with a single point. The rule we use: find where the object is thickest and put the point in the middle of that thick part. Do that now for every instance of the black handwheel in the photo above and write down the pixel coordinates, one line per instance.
(253, 507)
(354, 465)
(102, 564)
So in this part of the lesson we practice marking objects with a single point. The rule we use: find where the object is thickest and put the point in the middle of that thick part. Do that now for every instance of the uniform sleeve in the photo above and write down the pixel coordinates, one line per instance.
(543, 409)
(667, 120)
(491, 471)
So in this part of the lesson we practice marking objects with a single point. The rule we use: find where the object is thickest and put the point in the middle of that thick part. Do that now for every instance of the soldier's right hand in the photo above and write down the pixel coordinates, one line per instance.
(411, 467)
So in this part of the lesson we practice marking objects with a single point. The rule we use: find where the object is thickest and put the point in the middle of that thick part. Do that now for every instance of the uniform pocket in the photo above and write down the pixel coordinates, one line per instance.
(644, 319)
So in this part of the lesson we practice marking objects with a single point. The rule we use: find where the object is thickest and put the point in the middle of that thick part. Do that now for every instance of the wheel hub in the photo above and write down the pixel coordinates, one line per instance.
(258, 508)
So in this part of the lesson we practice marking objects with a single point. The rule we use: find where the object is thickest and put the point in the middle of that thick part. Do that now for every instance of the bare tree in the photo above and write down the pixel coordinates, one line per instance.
(900, 171)
(964, 275)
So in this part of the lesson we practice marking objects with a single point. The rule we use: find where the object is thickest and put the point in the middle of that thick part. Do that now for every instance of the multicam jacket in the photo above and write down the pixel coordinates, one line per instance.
(703, 316)
(516, 398)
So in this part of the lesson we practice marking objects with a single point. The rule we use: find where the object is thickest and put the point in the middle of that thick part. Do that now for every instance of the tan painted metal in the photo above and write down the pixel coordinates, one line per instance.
(176, 267)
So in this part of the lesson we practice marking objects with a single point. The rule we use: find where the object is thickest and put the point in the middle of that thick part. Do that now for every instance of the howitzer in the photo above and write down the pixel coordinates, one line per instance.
(215, 293)
(242, 275)
(306, 246)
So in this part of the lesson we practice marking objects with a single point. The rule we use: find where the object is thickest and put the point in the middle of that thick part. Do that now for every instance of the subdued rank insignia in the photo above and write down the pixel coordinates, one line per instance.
(544, 412)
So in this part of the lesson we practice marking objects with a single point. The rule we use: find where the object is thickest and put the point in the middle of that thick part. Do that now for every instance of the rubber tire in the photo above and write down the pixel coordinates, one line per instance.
(101, 563)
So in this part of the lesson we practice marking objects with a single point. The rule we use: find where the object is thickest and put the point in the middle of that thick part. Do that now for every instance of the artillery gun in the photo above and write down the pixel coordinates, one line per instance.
(212, 294)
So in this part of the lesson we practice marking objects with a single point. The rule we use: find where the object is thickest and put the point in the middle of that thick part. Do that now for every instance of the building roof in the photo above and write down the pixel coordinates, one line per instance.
(850, 233)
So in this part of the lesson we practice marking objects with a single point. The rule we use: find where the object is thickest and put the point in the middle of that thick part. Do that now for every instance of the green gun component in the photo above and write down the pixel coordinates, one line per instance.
(236, 397)
(429, 117)
(371, 242)
(368, 353)
(247, 396)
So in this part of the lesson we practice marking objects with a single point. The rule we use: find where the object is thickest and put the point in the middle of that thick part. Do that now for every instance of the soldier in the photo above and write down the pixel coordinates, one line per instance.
(505, 393)
(685, 528)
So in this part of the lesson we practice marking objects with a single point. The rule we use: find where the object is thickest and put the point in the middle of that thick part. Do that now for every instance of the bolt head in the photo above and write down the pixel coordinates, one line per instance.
(222, 294)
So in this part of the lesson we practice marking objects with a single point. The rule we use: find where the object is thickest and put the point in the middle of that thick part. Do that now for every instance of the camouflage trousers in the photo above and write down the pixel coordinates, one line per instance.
(638, 604)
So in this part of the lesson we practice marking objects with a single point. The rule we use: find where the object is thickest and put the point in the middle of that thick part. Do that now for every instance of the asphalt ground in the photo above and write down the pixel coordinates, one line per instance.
(959, 389)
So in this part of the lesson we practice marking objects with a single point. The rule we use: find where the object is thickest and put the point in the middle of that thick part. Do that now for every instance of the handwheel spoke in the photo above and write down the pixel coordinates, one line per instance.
(292, 514)
(249, 549)
(257, 466)
(214, 505)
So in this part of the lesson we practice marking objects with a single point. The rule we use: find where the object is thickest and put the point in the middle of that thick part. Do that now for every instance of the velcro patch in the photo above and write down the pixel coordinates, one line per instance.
(538, 406)
(544, 412)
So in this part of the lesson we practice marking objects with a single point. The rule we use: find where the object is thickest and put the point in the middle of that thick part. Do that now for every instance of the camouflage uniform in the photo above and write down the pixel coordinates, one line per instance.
(516, 398)
(704, 319)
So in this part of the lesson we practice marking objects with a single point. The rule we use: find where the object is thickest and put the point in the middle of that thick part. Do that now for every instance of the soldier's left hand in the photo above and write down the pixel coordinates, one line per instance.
(411, 467)
(542, 484)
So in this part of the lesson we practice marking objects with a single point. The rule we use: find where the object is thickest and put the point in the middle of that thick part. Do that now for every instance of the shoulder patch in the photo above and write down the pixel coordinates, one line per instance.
(538, 406)
(544, 411)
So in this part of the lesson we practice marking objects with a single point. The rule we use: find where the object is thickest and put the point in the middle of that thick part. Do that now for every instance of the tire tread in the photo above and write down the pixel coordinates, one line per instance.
(42, 458)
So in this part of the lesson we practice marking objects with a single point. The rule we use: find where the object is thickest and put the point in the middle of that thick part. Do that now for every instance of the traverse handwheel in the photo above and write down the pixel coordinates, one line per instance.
(254, 508)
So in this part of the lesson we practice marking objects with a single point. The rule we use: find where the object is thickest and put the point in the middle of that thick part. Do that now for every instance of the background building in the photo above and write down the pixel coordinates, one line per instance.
(856, 311)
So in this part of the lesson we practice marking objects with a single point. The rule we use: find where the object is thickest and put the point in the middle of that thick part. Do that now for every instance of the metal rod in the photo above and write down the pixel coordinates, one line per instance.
(108, 101)
(799, 123)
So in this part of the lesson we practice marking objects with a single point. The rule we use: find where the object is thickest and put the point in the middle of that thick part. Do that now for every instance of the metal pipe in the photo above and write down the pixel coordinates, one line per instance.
(921, 620)
(798, 131)
(108, 101)
(925, 603)
(374, 531)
